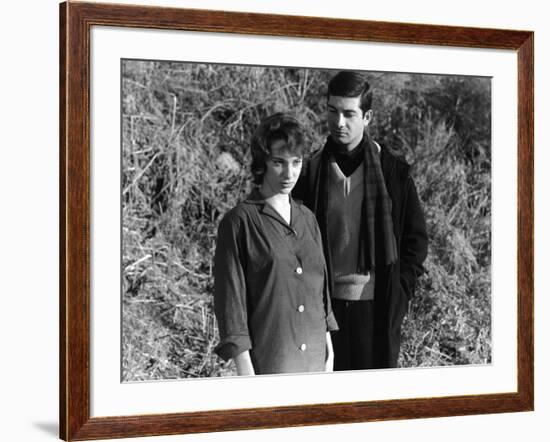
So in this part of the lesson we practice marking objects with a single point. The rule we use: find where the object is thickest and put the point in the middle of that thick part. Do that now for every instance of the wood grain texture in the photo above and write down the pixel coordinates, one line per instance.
(75, 223)
(258, 418)
(62, 225)
(526, 209)
(299, 26)
(74, 187)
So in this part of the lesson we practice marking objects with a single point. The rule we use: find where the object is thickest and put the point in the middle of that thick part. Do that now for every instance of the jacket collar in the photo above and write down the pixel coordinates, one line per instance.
(255, 198)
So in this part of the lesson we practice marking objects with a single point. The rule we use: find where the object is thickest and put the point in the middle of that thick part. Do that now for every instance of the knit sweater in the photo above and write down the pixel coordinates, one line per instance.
(344, 208)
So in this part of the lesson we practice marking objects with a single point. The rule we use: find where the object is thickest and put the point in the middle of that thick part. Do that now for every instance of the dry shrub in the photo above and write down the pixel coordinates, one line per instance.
(186, 129)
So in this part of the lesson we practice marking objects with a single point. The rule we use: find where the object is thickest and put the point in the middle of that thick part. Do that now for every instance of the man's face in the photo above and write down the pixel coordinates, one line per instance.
(346, 120)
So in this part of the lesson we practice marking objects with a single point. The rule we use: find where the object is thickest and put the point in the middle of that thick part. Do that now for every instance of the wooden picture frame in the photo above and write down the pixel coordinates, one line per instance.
(76, 20)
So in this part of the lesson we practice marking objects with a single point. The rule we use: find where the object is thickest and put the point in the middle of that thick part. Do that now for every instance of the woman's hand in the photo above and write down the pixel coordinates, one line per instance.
(244, 364)
(329, 362)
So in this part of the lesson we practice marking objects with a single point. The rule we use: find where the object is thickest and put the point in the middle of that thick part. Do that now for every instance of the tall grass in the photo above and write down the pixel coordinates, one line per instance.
(186, 131)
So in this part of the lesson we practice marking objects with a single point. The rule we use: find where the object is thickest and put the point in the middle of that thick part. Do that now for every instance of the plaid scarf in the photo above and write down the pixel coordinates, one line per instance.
(377, 238)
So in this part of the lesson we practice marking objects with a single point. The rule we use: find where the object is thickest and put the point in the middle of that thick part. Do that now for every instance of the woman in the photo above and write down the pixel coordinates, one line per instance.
(270, 291)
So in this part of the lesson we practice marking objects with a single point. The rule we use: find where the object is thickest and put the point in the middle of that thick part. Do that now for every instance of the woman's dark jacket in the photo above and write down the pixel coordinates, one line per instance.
(395, 283)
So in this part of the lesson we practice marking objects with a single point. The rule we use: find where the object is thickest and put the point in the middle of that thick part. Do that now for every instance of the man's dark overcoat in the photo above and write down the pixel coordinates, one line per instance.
(395, 283)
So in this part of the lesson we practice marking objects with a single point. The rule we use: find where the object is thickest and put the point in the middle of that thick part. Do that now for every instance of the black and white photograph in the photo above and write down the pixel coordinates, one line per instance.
(279, 220)
(293, 220)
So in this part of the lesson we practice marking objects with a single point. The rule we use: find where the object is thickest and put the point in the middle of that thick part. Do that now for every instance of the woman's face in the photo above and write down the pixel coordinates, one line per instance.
(282, 170)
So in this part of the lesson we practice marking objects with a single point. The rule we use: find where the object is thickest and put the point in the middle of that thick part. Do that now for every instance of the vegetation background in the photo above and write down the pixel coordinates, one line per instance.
(185, 135)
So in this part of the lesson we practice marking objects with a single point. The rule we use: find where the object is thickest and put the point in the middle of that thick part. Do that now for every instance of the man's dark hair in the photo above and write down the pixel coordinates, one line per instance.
(351, 84)
(277, 127)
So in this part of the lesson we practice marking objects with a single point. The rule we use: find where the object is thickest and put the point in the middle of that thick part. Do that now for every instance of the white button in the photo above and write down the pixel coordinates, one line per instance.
(303, 347)
(299, 270)
(301, 308)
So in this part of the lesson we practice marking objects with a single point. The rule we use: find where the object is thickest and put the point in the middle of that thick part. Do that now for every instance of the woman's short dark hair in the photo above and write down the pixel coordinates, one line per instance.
(351, 84)
(277, 127)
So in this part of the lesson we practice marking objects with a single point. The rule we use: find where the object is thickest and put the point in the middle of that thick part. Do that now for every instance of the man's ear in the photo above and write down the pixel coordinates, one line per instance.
(367, 117)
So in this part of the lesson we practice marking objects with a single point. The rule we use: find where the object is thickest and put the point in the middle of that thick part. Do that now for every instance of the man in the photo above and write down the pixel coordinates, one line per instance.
(372, 226)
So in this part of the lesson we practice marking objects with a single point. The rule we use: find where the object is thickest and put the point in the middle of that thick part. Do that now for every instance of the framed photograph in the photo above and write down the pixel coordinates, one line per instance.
(159, 108)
